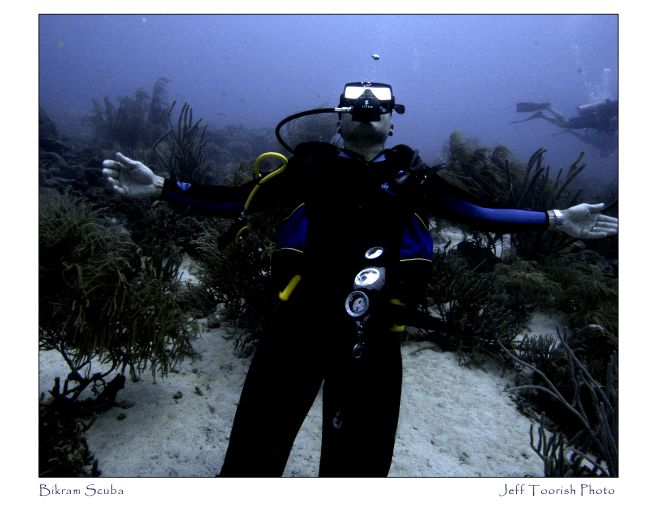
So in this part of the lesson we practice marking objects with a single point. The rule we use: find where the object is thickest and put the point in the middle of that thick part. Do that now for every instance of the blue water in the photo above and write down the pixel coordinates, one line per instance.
(453, 72)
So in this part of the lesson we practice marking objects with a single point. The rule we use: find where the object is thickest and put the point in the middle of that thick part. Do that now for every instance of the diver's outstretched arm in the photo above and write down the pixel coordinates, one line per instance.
(583, 221)
(133, 179)
(444, 200)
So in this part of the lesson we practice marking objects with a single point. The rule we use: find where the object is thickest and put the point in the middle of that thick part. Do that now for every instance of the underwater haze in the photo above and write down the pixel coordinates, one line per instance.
(461, 73)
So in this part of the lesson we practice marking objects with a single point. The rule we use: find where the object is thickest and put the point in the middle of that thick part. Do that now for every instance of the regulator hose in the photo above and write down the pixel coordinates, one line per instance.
(302, 114)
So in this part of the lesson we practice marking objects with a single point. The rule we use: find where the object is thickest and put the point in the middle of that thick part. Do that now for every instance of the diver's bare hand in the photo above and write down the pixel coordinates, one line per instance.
(131, 178)
(584, 221)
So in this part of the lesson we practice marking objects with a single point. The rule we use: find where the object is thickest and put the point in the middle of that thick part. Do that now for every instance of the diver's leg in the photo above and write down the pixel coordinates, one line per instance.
(281, 385)
(360, 413)
(555, 118)
(558, 119)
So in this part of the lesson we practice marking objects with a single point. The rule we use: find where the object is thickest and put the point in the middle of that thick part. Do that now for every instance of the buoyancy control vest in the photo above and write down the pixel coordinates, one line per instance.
(344, 206)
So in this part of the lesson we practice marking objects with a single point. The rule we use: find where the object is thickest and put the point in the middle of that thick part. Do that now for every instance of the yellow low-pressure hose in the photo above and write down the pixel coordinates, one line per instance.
(269, 155)
(258, 174)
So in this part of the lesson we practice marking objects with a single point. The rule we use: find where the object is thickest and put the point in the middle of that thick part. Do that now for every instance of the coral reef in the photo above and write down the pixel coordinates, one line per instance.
(63, 164)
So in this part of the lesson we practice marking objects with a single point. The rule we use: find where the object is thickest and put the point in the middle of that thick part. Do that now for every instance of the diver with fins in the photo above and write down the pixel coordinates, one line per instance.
(601, 116)
(350, 266)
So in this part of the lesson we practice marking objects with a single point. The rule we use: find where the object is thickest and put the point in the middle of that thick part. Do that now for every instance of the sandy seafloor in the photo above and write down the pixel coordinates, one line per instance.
(454, 421)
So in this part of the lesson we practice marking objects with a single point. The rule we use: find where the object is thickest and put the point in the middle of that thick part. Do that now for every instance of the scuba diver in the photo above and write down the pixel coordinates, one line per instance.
(601, 116)
(596, 123)
(350, 266)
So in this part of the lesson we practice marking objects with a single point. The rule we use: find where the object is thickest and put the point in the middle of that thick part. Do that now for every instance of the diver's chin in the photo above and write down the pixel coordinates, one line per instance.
(365, 133)
(367, 127)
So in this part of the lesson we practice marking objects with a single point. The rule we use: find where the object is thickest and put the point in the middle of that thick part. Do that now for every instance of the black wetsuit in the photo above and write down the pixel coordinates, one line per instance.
(338, 207)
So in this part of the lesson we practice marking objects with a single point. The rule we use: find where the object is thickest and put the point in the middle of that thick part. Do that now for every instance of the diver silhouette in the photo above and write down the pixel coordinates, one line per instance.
(601, 116)
(596, 123)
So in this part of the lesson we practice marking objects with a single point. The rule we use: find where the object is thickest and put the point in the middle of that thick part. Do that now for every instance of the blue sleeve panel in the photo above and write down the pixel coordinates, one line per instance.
(218, 201)
(501, 220)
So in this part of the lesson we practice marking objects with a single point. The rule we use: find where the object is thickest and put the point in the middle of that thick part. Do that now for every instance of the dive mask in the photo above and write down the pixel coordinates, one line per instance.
(368, 101)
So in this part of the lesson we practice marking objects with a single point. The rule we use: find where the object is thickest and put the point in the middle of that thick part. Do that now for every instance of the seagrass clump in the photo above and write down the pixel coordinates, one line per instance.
(104, 305)
(236, 273)
(474, 306)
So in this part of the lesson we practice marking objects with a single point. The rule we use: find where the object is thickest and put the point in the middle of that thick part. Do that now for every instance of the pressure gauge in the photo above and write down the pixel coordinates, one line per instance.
(370, 278)
(357, 304)
(374, 252)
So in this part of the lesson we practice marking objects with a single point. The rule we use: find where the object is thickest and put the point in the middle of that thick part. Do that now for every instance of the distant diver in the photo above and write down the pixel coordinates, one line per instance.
(596, 123)
(601, 116)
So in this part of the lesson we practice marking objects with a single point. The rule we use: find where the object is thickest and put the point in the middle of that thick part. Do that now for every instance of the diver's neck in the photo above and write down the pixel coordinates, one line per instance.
(368, 152)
